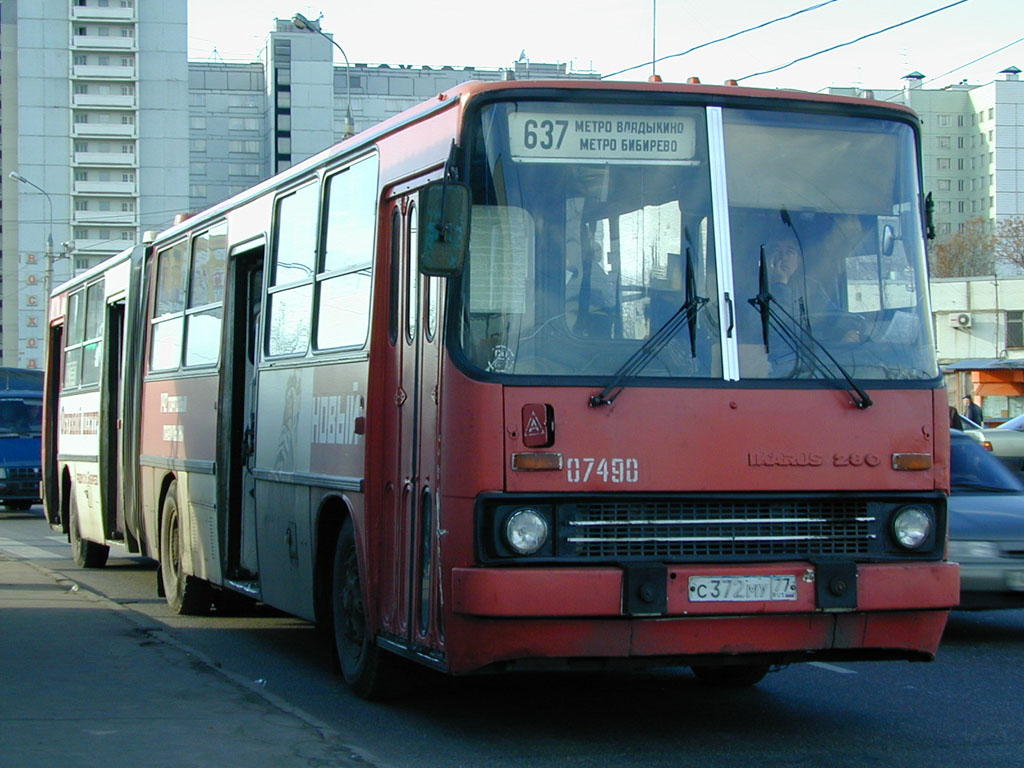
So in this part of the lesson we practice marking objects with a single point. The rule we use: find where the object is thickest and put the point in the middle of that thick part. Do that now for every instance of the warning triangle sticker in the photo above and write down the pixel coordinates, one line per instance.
(534, 426)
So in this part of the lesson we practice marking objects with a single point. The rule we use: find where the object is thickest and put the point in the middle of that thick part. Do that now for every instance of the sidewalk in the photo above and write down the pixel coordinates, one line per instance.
(86, 682)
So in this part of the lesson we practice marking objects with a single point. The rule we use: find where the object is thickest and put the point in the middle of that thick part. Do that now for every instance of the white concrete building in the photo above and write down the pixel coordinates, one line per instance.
(979, 333)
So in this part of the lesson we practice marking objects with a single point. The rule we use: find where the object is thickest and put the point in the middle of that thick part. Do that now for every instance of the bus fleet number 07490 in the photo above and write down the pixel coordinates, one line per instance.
(582, 469)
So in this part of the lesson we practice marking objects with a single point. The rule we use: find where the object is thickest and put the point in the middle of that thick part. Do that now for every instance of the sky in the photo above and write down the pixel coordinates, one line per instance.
(611, 35)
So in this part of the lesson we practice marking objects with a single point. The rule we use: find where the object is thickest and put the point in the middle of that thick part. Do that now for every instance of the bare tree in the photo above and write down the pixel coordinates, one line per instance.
(1010, 241)
(967, 253)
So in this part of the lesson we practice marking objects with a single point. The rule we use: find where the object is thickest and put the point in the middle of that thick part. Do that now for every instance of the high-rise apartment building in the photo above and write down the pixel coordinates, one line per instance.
(95, 130)
(112, 132)
(972, 146)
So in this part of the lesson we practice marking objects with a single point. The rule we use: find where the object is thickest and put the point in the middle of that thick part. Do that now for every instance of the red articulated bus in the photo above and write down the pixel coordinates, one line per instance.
(536, 374)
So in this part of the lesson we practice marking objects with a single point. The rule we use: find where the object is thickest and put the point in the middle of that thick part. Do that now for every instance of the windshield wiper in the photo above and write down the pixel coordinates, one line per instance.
(801, 341)
(687, 313)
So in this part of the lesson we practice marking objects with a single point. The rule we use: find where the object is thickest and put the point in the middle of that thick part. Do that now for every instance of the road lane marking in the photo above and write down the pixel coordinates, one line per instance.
(28, 552)
(832, 668)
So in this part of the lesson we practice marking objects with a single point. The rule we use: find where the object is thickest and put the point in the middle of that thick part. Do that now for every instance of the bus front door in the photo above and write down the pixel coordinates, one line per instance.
(409, 604)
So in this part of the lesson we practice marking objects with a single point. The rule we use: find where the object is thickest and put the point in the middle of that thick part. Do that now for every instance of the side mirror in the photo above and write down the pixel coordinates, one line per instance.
(888, 240)
(443, 228)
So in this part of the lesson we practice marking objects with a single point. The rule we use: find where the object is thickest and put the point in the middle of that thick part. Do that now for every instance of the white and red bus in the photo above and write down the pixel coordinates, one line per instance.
(535, 374)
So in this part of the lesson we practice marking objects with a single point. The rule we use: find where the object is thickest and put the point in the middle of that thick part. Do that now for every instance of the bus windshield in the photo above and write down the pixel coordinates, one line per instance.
(741, 239)
(20, 417)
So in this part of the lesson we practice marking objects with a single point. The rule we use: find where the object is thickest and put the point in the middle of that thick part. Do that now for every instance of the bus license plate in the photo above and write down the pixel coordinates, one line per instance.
(706, 589)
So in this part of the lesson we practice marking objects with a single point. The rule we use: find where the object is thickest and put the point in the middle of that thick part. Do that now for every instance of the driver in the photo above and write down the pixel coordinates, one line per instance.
(793, 289)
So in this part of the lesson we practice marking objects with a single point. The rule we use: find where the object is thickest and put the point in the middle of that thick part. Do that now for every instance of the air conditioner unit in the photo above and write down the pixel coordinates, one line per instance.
(961, 320)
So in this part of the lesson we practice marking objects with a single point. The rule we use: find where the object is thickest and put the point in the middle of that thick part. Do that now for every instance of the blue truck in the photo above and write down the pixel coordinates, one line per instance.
(21, 411)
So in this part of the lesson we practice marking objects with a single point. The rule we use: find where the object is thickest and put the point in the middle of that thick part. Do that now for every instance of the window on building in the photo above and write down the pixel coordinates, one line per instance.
(943, 142)
(942, 163)
(197, 123)
(197, 145)
(943, 185)
(1015, 329)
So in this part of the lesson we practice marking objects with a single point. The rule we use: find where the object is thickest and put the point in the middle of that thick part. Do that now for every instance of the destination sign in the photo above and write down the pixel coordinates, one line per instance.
(550, 137)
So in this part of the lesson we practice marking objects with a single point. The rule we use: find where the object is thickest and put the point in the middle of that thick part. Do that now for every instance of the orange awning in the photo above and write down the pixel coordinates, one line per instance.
(1009, 383)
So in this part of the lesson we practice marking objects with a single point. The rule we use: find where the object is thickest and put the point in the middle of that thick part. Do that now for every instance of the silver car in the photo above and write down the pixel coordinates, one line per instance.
(986, 527)
(1005, 441)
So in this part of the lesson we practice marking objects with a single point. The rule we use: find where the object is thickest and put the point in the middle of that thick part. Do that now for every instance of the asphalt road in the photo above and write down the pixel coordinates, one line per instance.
(964, 708)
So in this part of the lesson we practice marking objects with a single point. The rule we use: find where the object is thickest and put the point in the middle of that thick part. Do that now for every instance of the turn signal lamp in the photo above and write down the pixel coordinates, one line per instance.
(537, 462)
(911, 462)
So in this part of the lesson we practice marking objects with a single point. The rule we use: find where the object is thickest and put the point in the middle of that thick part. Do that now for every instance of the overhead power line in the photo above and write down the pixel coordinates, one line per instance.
(851, 42)
(722, 39)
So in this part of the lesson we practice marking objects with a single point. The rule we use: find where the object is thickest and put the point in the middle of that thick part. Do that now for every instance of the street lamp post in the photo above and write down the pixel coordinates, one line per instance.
(48, 265)
(301, 22)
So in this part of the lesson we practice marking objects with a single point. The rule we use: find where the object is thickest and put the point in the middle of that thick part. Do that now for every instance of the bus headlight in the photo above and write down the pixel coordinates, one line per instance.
(526, 531)
(912, 526)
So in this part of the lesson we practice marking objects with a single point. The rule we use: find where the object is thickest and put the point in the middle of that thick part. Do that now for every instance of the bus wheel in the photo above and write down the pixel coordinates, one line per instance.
(185, 594)
(86, 554)
(370, 672)
(732, 676)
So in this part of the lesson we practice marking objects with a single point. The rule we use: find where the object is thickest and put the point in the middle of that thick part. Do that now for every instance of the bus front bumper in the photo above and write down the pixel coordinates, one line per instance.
(519, 614)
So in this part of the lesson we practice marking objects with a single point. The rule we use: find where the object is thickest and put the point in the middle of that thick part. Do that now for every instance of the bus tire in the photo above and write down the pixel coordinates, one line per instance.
(370, 672)
(186, 595)
(86, 554)
(731, 675)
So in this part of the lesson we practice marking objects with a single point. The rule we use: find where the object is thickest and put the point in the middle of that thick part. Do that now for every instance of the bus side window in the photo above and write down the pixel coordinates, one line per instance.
(171, 272)
(291, 292)
(206, 297)
(92, 344)
(346, 274)
(73, 340)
